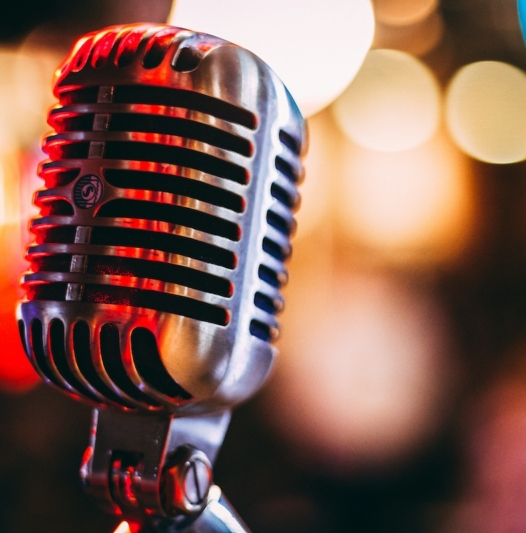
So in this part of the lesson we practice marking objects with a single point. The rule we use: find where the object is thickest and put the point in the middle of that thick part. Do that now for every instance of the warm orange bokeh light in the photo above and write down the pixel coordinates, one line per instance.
(417, 39)
(486, 111)
(416, 205)
(15, 370)
(393, 104)
(403, 12)
(365, 369)
(24, 96)
(321, 168)
(16, 373)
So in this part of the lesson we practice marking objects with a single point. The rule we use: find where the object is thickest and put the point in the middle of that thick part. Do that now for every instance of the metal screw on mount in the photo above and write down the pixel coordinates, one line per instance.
(186, 482)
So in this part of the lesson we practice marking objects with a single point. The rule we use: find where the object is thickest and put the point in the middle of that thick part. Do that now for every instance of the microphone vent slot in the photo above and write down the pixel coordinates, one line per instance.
(167, 96)
(83, 95)
(164, 242)
(36, 350)
(47, 291)
(50, 263)
(74, 150)
(55, 207)
(112, 359)
(173, 184)
(128, 45)
(22, 333)
(281, 224)
(286, 197)
(266, 303)
(187, 59)
(281, 253)
(286, 169)
(271, 277)
(157, 301)
(181, 127)
(159, 153)
(102, 48)
(261, 330)
(156, 211)
(150, 367)
(54, 234)
(83, 357)
(157, 47)
(55, 177)
(141, 268)
(57, 348)
(290, 142)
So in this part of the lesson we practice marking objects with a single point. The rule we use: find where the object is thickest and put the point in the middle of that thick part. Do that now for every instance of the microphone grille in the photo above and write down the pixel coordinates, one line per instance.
(164, 202)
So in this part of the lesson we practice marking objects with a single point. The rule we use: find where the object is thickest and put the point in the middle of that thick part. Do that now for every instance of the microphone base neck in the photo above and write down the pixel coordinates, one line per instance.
(145, 464)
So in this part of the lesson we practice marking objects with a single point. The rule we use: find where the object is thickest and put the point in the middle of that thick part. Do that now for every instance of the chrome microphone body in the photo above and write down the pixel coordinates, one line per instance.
(159, 252)
(164, 222)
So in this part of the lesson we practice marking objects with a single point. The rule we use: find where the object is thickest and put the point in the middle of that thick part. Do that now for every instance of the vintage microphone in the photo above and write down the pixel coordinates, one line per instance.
(158, 258)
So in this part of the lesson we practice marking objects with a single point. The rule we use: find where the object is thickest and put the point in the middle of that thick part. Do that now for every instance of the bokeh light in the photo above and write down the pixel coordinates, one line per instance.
(316, 49)
(414, 206)
(321, 166)
(364, 374)
(24, 96)
(486, 111)
(417, 39)
(16, 373)
(393, 103)
(494, 435)
(403, 12)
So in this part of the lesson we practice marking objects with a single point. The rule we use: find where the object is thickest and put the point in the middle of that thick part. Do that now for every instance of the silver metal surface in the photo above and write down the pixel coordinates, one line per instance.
(218, 517)
(166, 214)
(186, 482)
(130, 458)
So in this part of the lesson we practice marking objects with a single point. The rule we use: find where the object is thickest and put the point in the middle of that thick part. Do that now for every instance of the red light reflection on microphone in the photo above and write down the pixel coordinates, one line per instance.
(128, 527)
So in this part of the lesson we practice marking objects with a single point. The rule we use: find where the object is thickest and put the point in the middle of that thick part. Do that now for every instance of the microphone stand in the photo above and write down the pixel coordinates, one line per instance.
(157, 469)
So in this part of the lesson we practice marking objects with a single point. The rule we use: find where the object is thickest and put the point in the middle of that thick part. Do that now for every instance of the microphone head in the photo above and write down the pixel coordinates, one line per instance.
(165, 220)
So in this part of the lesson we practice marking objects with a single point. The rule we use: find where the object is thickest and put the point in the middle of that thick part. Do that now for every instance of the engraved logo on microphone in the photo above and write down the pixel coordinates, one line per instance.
(88, 191)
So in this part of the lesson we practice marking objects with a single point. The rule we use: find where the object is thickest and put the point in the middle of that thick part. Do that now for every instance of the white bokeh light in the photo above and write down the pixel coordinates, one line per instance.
(316, 48)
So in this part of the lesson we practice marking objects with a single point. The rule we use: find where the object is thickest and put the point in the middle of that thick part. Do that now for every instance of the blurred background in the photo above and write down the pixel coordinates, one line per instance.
(399, 400)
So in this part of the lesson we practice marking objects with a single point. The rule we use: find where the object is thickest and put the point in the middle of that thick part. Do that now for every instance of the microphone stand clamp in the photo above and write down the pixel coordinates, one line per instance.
(158, 469)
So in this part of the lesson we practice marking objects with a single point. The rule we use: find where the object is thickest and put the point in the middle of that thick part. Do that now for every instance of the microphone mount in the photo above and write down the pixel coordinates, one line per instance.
(157, 466)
